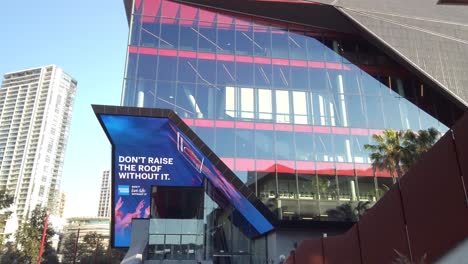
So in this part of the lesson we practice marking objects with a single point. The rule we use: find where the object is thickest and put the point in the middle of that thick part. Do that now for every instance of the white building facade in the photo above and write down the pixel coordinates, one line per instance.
(105, 195)
(35, 113)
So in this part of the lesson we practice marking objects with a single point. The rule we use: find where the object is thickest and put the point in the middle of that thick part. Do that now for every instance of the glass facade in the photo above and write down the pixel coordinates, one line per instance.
(288, 108)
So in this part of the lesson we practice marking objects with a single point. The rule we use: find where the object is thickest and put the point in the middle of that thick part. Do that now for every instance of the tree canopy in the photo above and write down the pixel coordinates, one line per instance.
(397, 151)
(28, 237)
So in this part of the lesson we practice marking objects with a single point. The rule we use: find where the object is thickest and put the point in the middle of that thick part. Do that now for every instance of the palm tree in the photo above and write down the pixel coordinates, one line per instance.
(419, 143)
(362, 207)
(343, 212)
(397, 151)
(390, 152)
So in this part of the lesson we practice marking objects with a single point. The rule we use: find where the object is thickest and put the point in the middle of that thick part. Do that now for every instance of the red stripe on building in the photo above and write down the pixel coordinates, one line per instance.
(206, 18)
(187, 13)
(204, 123)
(322, 130)
(265, 165)
(246, 59)
(245, 164)
(169, 12)
(242, 25)
(340, 130)
(151, 9)
(325, 168)
(344, 169)
(302, 128)
(261, 60)
(359, 131)
(364, 170)
(187, 54)
(283, 127)
(264, 126)
(224, 22)
(224, 124)
(232, 58)
(278, 127)
(188, 121)
(283, 62)
(285, 166)
(229, 162)
(245, 125)
(305, 167)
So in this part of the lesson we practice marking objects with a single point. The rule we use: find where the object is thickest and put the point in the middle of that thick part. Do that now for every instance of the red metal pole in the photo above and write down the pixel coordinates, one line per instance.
(76, 246)
(44, 233)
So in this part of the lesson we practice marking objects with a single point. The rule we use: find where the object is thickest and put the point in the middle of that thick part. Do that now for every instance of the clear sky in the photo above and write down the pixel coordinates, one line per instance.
(86, 38)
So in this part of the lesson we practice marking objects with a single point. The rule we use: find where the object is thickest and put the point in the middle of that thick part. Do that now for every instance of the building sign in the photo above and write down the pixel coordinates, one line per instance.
(151, 151)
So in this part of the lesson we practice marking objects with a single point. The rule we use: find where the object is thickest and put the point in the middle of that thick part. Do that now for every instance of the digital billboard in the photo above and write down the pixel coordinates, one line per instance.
(151, 151)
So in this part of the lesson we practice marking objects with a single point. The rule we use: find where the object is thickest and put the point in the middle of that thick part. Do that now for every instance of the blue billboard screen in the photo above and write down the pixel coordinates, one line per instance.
(150, 151)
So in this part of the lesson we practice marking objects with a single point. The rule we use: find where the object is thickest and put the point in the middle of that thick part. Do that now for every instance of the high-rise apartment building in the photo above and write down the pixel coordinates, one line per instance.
(35, 113)
(105, 195)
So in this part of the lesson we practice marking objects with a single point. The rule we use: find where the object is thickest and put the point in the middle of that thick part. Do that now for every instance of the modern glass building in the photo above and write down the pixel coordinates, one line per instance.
(287, 105)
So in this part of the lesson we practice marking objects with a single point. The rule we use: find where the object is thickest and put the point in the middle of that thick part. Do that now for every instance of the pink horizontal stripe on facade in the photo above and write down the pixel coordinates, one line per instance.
(285, 166)
(245, 164)
(375, 132)
(284, 62)
(344, 169)
(364, 170)
(169, 12)
(150, 9)
(264, 126)
(263, 165)
(187, 54)
(229, 162)
(359, 131)
(261, 60)
(204, 123)
(283, 127)
(225, 57)
(244, 125)
(187, 13)
(138, 6)
(246, 59)
(279, 127)
(224, 124)
(235, 58)
(302, 128)
(340, 130)
(325, 168)
(322, 130)
(206, 56)
(298, 63)
(304, 167)
(167, 52)
(206, 18)
(222, 19)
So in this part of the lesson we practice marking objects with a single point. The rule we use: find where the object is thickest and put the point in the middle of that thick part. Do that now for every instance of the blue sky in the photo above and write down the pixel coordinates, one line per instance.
(88, 39)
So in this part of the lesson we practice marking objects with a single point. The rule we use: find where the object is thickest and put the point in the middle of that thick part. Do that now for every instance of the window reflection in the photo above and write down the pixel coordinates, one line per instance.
(295, 88)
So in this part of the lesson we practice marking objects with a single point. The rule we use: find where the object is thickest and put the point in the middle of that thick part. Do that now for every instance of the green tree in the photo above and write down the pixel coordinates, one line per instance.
(5, 199)
(389, 153)
(397, 151)
(68, 248)
(28, 239)
(5, 202)
(418, 144)
(343, 212)
(93, 250)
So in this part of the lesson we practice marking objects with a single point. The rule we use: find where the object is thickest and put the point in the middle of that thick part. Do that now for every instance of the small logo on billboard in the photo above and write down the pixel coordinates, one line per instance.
(124, 190)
